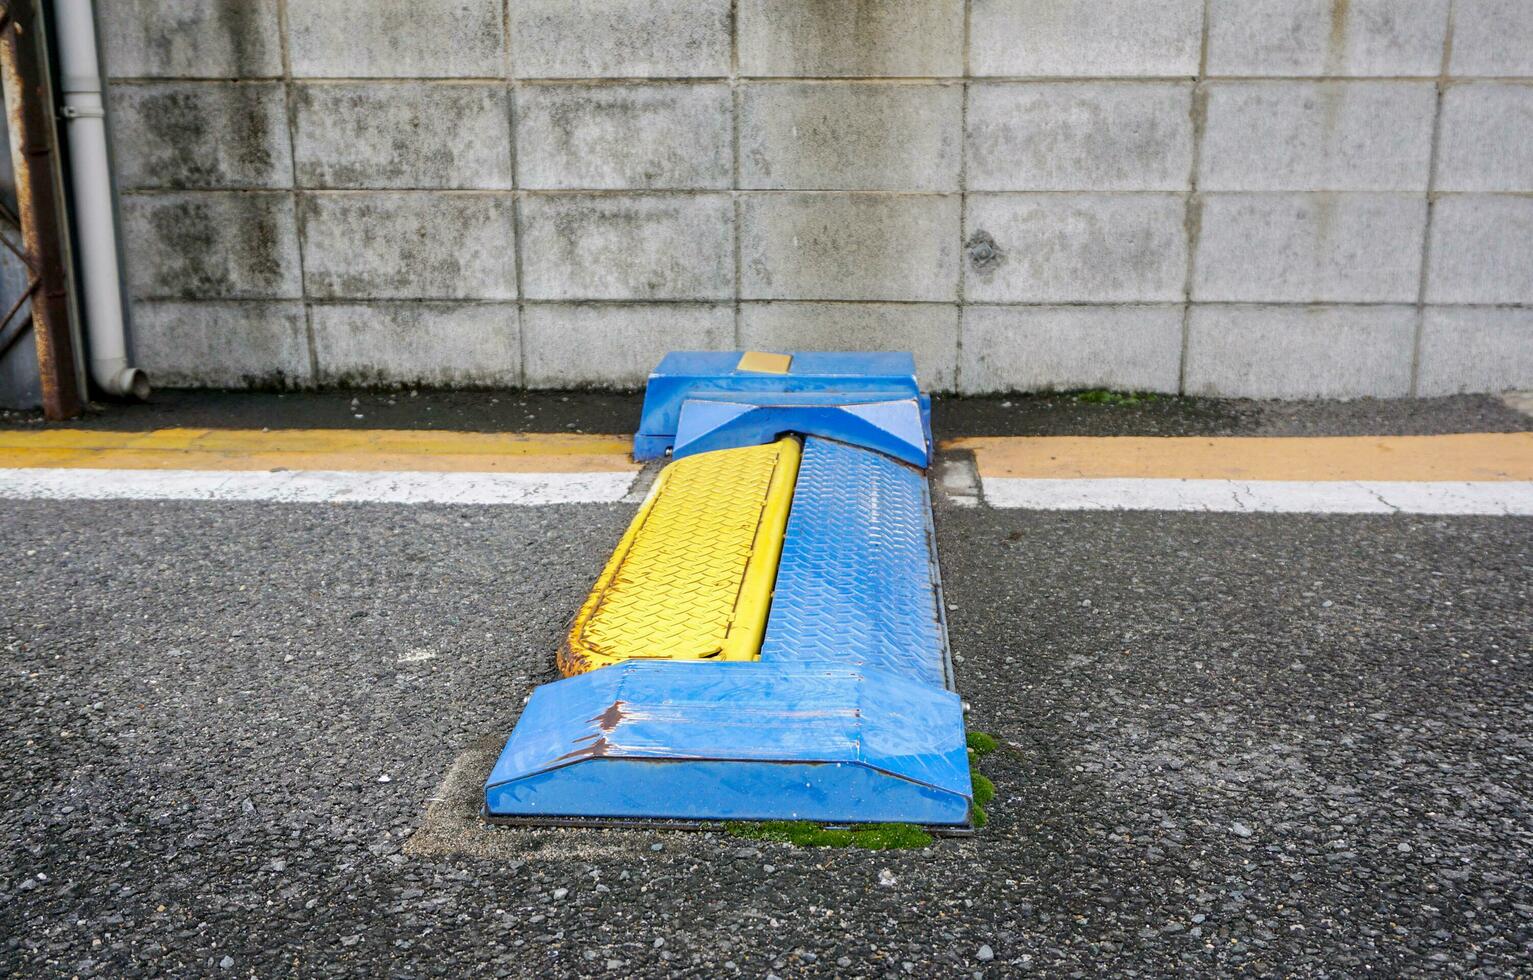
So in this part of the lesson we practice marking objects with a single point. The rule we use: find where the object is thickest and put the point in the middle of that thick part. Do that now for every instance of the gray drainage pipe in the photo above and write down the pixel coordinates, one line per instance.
(95, 223)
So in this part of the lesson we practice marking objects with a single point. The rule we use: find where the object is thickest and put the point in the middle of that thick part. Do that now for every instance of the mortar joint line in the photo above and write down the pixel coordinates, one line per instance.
(1192, 219)
(594, 81)
(1426, 230)
(511, 91)
(1034, 304)
(734, 140)
(294, 194)
(963, 201)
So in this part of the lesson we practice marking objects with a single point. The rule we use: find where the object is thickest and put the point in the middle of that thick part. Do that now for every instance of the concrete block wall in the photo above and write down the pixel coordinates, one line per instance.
(1270, 198)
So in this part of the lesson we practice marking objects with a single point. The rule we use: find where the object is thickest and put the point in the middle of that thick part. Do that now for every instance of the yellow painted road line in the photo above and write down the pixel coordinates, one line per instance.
(331, 450)
(1466, 458)
(692, 577)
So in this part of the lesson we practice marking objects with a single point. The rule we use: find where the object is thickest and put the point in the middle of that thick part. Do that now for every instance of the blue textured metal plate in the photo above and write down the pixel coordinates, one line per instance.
(857, 583)
(746, 741)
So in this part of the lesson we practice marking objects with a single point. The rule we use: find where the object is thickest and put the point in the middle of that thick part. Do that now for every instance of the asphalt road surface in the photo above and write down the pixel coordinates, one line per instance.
(1231, 744)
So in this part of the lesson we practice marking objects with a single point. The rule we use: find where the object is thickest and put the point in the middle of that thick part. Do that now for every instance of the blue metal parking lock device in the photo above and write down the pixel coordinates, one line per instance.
(768, 640)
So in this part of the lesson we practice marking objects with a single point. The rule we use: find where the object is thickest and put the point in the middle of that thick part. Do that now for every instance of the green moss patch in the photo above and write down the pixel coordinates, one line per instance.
(873, 836)
(1101, 396)
(890, 837)
(802, 833)
(984, 789)
(981, 744)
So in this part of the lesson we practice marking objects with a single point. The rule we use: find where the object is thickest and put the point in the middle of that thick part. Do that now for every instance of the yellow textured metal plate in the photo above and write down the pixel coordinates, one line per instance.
(692, 577)
(764, 363)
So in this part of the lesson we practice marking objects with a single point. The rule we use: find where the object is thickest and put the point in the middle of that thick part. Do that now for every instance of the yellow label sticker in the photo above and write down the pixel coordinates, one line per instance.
(764, 363)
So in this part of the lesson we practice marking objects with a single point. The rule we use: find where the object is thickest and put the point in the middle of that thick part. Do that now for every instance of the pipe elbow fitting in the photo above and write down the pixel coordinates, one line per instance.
(124, 382)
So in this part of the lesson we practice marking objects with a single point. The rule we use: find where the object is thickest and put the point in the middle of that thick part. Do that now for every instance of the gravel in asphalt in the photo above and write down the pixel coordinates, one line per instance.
(1232, 743)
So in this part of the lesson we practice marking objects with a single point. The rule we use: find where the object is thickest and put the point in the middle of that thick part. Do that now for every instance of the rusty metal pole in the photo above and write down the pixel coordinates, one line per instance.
(34, 156)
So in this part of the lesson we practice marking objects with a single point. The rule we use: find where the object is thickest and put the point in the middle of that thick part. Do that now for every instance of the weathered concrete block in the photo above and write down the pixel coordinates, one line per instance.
(242, 344)
(1300, 352)
(616, 346)
(1060, 348)
(1326, 37)
(409, 245)
(851, 37)
(848, 246)
(930, 331)
(662, 137)
(1085, 38)
(1482, 250)
(620, 38)
(1475, 350)
(850, 135)
(206, 135)
(396, 38)
(402, 134)
(1076, 248)
(1492, 37)
(1309, 248)
(621, 246)
(1076, 136)
(1334, 136)
(191, 38)
(212, 245)
(443, 344)
(1486, 143)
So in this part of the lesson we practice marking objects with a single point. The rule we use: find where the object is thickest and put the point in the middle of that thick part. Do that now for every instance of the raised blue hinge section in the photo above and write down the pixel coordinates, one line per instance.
(893, 427)
(857, 585)
(812, 379)
(748, 741)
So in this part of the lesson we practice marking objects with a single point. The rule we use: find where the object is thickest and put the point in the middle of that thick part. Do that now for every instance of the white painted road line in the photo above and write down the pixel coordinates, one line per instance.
(315, 486)
(1513, 498)
(1508, 498)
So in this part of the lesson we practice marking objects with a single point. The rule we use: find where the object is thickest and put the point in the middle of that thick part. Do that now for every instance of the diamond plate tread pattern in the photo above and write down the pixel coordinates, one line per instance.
(855, 584)
(678, 585)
